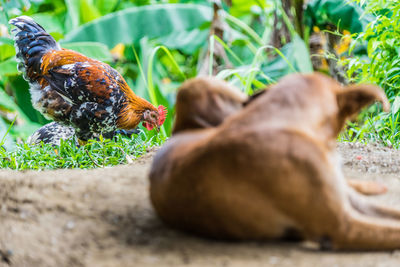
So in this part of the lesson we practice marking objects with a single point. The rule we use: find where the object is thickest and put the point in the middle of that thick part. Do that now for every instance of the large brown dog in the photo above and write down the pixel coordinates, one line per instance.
(271, 170)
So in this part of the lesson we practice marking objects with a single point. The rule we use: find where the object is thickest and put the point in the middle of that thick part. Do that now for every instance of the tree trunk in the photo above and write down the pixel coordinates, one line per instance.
(281, 33)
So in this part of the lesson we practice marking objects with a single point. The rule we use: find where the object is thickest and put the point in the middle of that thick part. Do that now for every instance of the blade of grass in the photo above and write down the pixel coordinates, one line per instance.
(3, 139)
(285, 18)
(211, 59)
(228, 49)
(140, 66)
(256, 61)
(150, 83)
(243, 26)
(224, 74)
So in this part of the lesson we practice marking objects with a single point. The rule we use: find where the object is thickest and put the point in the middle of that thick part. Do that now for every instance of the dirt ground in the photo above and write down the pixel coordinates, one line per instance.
(103, 218)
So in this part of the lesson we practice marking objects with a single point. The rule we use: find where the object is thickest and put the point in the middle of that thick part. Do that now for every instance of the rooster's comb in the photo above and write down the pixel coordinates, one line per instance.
(162, 112)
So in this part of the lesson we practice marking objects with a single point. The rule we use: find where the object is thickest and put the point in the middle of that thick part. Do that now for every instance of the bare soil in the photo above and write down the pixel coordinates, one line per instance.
(103, 217)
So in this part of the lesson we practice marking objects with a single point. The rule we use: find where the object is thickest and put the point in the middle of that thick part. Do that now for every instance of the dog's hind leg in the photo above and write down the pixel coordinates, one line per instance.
(367, 187)
(362, 232)
(365, 206)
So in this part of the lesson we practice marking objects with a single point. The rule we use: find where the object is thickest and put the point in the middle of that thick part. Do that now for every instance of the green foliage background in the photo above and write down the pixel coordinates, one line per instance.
(156, 45)
(164, 43)
(381, 66)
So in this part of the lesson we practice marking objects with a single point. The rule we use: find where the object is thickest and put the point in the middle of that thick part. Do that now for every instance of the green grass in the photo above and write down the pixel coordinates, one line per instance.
(381, 128)
(94, 154)
(374, 125)
(379, 66)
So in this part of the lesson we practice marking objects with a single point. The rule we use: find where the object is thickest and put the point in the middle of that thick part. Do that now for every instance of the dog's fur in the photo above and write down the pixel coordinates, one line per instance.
(271, 170)
(205, 103)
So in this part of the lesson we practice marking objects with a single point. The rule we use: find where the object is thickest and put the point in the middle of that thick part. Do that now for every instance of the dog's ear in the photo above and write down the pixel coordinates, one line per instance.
(354, 97)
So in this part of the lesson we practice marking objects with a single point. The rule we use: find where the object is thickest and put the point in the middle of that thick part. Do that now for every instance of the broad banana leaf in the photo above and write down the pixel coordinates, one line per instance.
(341, 13)
(131, 25)
(94, 50)
(296, 54)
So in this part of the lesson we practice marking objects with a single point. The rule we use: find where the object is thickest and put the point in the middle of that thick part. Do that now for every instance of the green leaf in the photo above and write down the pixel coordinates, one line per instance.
(6, 102)
(244, 7)
(72, 20)
(106, 6)
(131, 25)
(88, 11)
(6, 40)
(8, 67)
(50, 22)
(20, 90)
(187, 41)
(6, 51)
(301, 55)
(93, 50)
(396, 105)
(25, 129)
(155, 93)
(342, 13)
(244, 27)
(5, 138)
(289, 60)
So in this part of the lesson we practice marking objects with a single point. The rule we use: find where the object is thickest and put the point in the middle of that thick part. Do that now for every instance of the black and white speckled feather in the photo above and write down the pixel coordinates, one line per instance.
(52, 133)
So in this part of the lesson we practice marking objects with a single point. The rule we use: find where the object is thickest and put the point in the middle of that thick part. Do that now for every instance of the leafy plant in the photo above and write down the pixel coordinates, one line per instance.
(155, 45)
(131, 25)
(380, 66)
(341, 13)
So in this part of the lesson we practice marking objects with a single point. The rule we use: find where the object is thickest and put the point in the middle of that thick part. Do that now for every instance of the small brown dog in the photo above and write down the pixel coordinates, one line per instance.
(271, 169)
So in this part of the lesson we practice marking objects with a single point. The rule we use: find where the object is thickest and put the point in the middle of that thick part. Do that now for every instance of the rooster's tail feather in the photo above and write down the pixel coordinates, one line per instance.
(31, 43)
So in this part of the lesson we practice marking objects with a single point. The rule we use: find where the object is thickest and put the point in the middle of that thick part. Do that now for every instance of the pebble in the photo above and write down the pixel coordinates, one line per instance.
(70, 225)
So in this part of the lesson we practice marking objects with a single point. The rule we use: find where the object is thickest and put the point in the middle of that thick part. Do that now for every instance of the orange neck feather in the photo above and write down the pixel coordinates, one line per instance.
(131, 115)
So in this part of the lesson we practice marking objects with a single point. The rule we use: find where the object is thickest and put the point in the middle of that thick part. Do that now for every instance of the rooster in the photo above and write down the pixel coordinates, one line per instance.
(78, 91)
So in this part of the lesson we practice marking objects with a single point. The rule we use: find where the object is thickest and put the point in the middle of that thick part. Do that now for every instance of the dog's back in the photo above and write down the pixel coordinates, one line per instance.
(233, 184)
